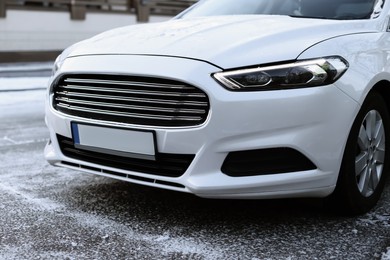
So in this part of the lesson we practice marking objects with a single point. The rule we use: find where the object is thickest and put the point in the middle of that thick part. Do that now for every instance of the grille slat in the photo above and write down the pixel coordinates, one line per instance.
(129, 91)
(126, 83)
(130, 107)
(140, 100)
(71, 108)
(132, 100)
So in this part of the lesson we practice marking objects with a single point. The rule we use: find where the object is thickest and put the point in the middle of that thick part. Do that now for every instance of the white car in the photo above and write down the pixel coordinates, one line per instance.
(233, 99)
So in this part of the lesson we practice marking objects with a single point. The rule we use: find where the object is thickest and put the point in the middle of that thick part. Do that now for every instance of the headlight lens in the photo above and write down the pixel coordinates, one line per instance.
(301, 74)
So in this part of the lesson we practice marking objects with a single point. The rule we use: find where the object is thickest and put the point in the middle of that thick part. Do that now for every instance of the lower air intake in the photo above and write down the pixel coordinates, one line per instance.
(168, 165)
(265, 161)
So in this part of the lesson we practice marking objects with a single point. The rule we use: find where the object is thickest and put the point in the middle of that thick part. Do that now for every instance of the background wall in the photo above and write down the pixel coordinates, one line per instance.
(29, 31)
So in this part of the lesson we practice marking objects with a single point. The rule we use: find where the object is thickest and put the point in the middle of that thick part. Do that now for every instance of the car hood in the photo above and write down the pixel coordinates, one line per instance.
(225, 41)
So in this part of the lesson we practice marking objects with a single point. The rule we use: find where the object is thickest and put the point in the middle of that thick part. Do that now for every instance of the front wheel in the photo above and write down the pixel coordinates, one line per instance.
(366, 158)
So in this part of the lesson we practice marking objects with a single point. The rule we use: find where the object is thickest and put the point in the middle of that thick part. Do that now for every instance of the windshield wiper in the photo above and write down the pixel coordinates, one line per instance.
(309, 17)
(340, 17)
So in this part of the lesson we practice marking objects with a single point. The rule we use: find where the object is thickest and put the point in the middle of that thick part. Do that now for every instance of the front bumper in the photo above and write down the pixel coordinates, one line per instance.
(313, 121)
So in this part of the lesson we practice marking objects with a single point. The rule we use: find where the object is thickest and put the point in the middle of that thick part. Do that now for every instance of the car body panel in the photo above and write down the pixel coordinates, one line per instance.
(315, 121)
(227, 129)
(368, 56)
(251, 40)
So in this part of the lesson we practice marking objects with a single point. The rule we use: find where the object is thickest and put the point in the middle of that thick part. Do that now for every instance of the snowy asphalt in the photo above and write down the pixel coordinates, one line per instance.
(53, 213)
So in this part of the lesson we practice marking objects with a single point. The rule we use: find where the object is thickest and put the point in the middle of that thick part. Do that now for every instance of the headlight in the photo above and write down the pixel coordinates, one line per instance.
(300, 74)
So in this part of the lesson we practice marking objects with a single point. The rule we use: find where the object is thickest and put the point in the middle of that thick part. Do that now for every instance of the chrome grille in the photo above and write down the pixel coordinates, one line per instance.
(132, 100)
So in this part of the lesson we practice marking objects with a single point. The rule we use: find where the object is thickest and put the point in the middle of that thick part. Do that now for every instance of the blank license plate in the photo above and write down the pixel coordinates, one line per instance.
(115, 141)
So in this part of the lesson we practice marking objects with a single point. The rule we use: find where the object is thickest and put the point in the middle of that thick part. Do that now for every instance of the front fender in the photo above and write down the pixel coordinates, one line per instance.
(368, 55)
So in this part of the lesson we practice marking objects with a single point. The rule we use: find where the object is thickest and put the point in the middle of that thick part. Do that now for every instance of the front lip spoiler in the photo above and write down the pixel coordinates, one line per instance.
(122, 176)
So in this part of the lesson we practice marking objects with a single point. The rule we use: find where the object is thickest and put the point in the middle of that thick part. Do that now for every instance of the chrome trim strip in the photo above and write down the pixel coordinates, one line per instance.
(133, 91)
(147, 108)
(144, 100)
(131, 115)
(133, 83)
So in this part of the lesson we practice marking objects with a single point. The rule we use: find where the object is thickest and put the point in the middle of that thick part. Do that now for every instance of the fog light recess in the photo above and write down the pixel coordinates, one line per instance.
(265, 162)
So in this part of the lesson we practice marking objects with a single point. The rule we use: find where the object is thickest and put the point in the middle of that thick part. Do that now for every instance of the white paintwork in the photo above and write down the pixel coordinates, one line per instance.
(249, 39)
(232, 126)
(314, 121)
(45, 31)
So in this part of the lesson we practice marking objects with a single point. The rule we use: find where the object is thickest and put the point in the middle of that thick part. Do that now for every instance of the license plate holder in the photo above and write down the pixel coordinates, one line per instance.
(115, 141)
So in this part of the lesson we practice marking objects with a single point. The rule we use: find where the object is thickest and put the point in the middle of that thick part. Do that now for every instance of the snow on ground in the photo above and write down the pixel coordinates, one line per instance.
(28, 67)
(24, 76)
(386, 256)
(18, 84)
(54, 213)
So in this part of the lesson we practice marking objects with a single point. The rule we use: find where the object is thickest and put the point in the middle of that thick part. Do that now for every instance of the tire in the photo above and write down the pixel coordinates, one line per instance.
(366, 159)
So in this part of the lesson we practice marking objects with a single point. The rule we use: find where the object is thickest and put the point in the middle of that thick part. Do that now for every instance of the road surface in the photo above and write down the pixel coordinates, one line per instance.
(53, 213)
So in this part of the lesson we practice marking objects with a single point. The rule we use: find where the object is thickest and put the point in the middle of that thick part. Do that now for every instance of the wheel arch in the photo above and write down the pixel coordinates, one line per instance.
(383, 88)
(344, 196)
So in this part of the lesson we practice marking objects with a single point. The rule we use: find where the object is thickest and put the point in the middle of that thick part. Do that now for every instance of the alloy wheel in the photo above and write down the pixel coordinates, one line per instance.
(370, 153)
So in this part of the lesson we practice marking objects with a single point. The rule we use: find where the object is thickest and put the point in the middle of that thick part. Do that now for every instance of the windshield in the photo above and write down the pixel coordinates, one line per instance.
(323, 9)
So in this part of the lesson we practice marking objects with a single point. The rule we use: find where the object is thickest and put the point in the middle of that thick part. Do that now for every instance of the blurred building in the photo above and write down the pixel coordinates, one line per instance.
(40, 29)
